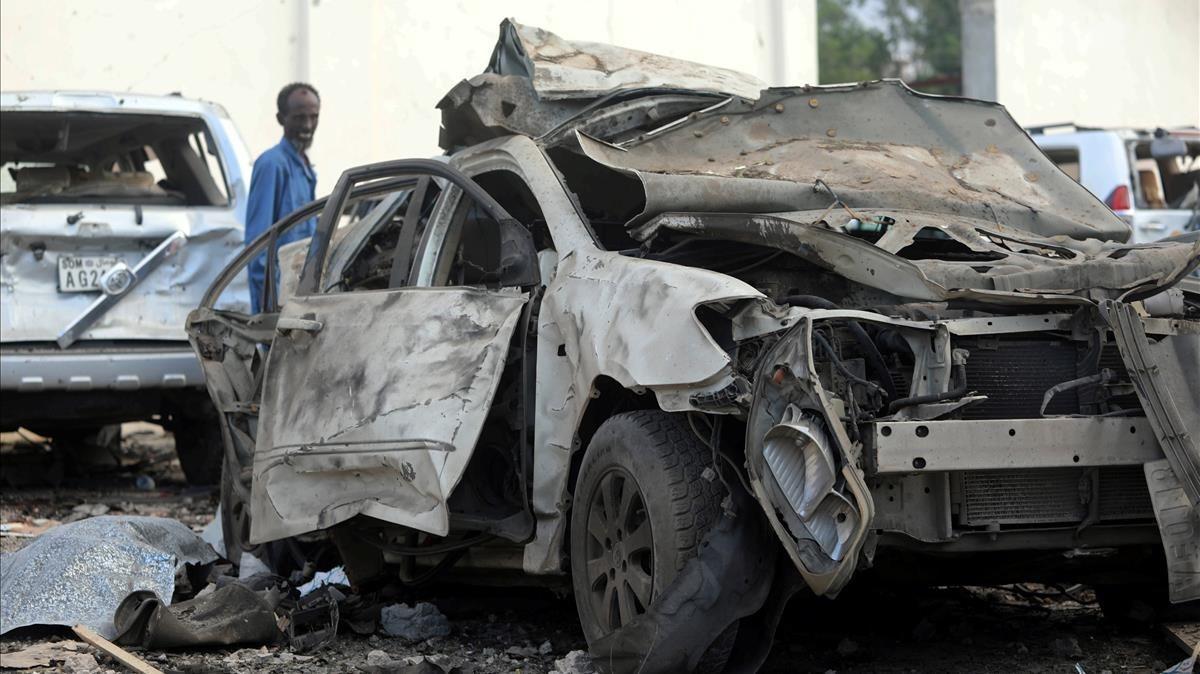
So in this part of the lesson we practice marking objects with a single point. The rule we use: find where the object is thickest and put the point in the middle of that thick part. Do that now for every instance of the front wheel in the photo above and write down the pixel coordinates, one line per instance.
(642, 507)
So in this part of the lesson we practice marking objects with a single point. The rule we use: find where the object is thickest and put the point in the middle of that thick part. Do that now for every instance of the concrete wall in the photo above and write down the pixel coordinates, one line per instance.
(380, 65)
(1099, 62)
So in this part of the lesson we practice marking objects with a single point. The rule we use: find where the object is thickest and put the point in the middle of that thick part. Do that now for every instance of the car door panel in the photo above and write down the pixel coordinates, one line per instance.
(374, 405)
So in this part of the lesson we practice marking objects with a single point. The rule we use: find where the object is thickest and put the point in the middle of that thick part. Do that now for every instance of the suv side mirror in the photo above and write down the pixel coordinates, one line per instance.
(518, 256)
(1166, 147)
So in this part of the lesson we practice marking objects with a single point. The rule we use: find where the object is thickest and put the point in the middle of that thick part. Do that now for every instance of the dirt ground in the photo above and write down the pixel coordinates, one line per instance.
(970, 629)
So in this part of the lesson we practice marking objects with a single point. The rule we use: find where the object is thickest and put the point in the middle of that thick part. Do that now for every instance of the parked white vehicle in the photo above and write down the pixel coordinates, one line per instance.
(116, 213)
(1149, 178)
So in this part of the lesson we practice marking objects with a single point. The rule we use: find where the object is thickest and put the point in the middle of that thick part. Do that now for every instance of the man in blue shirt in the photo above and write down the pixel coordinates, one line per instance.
(283, 180)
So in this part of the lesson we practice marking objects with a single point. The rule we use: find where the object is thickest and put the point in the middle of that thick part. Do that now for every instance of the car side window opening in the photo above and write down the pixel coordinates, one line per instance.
(383, 260)
(1067, 159)
(1166, 182)
(463, 246)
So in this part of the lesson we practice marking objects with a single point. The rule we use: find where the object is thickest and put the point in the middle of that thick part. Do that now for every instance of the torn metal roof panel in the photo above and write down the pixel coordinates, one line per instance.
(565, 69)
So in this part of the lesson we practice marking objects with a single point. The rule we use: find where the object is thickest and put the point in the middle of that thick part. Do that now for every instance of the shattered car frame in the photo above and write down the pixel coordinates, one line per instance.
(902, 334)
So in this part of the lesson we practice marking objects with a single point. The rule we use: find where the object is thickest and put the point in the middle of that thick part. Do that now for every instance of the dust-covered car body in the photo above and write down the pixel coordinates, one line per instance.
(117, 211)
(887, 313)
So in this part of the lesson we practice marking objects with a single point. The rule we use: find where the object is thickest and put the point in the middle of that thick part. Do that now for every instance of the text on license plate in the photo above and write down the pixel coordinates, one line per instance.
(82, 273)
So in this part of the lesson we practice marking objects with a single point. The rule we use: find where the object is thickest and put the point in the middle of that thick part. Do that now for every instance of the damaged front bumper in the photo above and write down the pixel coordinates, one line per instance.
(1032, 443)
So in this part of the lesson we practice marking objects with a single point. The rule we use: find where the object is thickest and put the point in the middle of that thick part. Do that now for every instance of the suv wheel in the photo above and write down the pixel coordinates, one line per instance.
(198, 443)
(640, 512)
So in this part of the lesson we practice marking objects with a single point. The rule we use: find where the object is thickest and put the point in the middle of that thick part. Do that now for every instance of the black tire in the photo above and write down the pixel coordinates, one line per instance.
(87, 450)
(611, 557)
(235, 517)
(198, 443)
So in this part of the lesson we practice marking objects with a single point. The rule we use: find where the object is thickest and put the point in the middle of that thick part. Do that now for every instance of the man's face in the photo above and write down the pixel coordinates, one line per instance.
(300, 120)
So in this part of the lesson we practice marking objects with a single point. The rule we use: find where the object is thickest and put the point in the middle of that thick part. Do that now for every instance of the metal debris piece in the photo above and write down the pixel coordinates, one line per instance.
(314, 621)
(79, 572)
(233, 614)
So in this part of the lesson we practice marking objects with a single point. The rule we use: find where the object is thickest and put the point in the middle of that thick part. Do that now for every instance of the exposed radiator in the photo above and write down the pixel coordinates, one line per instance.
(1014, 373)
(1053, 495)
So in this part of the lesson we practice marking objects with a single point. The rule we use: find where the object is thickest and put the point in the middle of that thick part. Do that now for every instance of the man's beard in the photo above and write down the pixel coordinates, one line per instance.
(300, 144)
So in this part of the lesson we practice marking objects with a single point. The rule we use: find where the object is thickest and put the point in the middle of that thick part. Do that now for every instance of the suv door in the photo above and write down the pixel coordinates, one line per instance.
(233, 347)
(373, 398)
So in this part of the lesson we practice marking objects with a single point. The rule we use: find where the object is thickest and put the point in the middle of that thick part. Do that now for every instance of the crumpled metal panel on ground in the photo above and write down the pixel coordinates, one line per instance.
(79, 573)
(389, 449)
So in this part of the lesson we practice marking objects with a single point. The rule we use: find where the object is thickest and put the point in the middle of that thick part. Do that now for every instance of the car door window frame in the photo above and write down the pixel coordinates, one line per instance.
(270, 239)
(318, 252)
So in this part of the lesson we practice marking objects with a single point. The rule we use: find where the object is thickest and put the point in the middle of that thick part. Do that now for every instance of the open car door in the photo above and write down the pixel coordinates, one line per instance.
(373, 400)
(373, 397)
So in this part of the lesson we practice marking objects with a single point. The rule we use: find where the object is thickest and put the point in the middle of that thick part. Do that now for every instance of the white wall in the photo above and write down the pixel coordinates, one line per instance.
(381, 65)
(1099, 62)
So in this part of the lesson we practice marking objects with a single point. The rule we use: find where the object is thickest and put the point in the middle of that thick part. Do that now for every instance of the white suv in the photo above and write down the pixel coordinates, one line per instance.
(1150, 179)
(116, 213)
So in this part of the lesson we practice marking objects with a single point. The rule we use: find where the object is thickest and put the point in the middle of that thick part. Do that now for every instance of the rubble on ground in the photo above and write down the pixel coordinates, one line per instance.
(419, 623)
(1009, 631)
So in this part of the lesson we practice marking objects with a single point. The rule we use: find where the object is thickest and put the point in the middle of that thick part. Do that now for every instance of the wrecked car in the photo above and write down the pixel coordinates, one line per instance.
(116, 213)
(688, 343)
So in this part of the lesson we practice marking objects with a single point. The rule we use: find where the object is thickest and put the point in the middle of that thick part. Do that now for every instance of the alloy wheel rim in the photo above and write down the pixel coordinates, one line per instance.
(619, 550)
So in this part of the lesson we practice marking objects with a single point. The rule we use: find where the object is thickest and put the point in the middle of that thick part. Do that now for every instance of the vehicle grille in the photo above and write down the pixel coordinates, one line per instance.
(1015, 373)
(1052, 495)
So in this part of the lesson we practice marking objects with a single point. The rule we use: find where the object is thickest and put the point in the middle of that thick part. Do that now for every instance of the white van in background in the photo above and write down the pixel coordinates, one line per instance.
(1149, 178)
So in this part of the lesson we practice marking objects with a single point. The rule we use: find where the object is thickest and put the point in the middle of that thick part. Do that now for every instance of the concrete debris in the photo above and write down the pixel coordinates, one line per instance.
(80, 572)
(380, 662)
(575, 662)
(418, 623)
(546, 648)
(80, 663)
(522, 651)
(45, 655)
(378, 658)
(86, 510)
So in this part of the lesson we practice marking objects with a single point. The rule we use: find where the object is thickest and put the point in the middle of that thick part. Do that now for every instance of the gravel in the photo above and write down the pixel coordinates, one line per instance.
(535, 631)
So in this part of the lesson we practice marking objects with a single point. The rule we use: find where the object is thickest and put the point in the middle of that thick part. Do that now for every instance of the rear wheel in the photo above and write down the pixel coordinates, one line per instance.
(198, 442)
(642, 508)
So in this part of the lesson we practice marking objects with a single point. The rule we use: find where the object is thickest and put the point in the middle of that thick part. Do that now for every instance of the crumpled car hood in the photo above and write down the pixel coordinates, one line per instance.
(874, 145)
(995, 265)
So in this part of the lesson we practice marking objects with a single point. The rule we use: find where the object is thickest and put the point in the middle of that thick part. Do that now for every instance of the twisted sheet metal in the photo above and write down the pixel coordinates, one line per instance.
(79, 572)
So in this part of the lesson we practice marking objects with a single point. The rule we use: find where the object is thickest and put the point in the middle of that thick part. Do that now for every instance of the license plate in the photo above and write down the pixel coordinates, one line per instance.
(82, 273)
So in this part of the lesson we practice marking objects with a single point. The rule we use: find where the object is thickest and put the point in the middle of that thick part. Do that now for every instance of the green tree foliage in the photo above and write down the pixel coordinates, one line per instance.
(917, 40)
